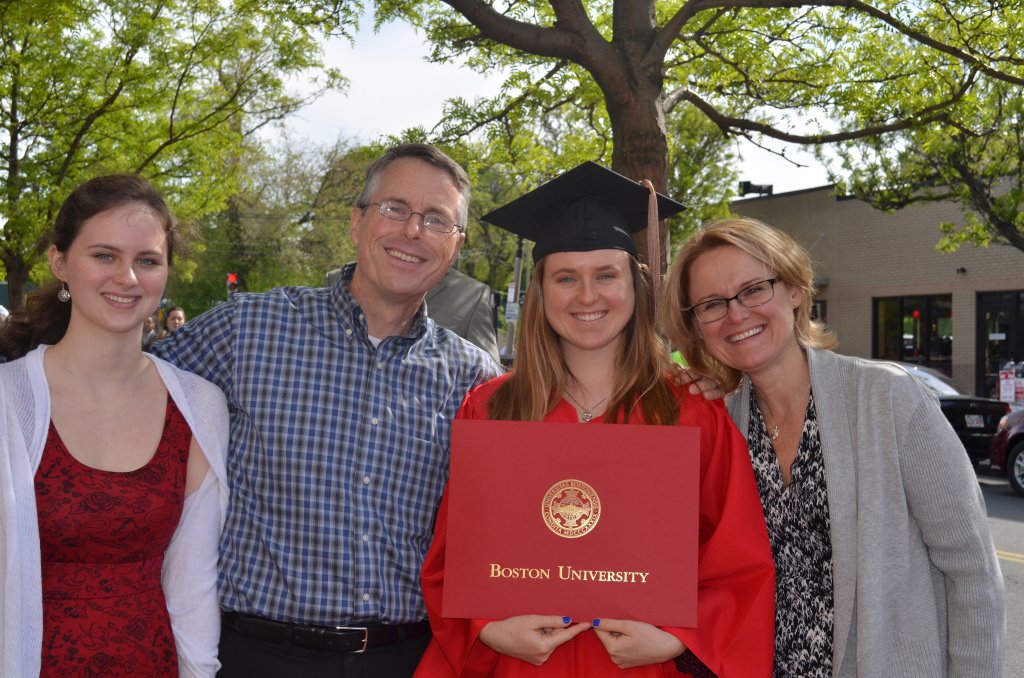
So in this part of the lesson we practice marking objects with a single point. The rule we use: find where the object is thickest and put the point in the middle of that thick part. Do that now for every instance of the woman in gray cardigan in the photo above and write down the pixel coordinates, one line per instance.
(884, 561)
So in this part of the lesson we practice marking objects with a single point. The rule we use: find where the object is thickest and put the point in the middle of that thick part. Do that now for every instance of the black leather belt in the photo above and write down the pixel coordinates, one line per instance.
(354, 639)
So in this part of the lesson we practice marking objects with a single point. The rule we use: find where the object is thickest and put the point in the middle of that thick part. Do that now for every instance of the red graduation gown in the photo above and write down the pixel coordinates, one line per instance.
(735, 634)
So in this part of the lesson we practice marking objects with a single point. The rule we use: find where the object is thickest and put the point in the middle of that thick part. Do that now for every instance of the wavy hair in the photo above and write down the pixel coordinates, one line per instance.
(790, 262)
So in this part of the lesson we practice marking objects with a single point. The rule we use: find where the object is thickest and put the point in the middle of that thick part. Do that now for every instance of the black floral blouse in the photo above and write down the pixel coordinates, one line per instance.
(800, 536)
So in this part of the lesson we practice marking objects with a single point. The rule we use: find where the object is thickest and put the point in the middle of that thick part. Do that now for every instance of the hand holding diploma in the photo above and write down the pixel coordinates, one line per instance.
(635, 643)
(531, 637)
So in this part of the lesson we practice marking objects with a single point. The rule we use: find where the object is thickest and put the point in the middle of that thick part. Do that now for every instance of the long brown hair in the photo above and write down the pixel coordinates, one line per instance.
(540, 374)
(44, 319)
(791, 264)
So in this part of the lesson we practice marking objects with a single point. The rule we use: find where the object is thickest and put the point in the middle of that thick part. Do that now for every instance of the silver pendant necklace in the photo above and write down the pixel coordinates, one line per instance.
(587, 413)
(773, 429)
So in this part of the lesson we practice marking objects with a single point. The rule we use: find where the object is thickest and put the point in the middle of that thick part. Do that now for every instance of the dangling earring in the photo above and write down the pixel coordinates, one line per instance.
(65, 294)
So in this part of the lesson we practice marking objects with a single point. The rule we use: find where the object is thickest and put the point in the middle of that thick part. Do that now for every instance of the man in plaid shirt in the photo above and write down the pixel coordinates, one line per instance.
(341, 403)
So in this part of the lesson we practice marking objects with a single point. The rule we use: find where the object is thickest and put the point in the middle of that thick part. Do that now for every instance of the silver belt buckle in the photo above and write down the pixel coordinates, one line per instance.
(366, 636)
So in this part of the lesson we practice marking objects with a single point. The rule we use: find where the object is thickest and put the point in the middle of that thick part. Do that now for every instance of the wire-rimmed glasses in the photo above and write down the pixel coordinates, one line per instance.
(753, 295)
(396, 211)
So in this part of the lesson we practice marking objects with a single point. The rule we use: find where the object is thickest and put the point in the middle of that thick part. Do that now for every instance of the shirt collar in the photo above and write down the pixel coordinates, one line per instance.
(351, 316)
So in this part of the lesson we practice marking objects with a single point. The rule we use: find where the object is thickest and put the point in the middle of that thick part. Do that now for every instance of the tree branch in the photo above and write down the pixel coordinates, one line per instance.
(730, 124)
(690, 8)
(553, 42)
(505, 110)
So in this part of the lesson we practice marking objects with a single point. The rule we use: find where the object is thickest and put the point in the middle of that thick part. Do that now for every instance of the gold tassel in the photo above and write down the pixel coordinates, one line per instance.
(653, 245)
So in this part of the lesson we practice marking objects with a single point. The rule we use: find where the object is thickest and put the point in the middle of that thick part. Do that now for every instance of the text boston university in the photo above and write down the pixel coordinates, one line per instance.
(569, 573)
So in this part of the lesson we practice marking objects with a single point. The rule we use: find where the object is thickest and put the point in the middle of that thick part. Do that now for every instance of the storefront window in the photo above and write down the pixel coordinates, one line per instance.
(1000, 336)
(916, 330)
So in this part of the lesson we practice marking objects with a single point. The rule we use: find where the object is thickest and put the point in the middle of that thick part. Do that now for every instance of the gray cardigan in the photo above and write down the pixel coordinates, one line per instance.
(918, 590)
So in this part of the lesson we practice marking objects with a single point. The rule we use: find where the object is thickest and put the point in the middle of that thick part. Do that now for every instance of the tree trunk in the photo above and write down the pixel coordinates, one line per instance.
(17, 277)
(640, 149)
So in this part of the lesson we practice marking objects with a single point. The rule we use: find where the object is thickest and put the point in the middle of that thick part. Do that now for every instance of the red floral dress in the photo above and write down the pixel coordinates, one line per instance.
(103, 535)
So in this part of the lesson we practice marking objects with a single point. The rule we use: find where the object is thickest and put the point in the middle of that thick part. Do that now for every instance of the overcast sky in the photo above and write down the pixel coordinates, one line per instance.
(393, 61)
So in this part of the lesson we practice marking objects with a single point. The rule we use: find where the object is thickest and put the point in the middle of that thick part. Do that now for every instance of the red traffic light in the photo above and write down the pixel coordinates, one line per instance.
(232, 278)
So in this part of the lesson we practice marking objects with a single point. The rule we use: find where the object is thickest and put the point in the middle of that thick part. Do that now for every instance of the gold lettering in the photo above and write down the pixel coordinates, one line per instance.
(519, 572)
(570, 573)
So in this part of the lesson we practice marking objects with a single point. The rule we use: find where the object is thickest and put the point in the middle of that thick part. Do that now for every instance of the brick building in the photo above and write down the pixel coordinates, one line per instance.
(888, 293)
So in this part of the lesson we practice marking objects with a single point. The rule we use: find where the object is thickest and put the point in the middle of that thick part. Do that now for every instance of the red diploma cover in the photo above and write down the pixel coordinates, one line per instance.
(567, 519)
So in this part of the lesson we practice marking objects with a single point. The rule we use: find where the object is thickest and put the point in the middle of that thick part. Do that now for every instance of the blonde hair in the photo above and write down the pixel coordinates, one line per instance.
(540, 374)
(791, 264)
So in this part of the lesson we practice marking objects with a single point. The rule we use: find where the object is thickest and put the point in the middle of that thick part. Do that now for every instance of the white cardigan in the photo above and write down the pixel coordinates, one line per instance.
(189, 575)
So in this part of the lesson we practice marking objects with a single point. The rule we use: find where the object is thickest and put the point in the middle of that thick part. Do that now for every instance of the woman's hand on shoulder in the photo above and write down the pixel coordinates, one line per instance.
(532, 637)
(696, 383)
(634, 643)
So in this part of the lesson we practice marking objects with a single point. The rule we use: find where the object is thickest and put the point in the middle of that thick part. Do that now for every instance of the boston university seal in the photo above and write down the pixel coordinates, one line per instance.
(571, 508)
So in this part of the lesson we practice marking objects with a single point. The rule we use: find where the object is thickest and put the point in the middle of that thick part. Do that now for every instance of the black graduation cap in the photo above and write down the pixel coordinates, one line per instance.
(590, 207)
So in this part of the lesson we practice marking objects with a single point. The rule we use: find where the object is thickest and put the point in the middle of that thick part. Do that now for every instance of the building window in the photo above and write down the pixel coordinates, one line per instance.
(819, 311)
(1000, 325)
(915, 330)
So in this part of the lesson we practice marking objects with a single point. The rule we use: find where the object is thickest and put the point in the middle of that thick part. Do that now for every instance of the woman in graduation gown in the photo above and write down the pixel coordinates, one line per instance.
(589, 352)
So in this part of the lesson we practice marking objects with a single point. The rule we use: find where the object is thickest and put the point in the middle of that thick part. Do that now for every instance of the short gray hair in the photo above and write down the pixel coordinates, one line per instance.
(428, 154)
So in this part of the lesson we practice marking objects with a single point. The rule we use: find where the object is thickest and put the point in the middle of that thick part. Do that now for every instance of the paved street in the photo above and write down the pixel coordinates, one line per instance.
(1006, 519)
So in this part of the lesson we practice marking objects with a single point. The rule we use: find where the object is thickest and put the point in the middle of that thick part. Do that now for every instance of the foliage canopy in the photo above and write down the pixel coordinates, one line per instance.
(772, 71)
(165, 88)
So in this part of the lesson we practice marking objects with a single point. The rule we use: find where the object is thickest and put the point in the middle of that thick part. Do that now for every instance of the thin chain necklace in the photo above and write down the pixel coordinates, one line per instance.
(773, 433)
(587, 414)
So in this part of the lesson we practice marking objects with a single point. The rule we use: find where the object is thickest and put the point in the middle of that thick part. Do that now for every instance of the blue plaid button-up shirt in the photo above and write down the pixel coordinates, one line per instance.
(339, 450)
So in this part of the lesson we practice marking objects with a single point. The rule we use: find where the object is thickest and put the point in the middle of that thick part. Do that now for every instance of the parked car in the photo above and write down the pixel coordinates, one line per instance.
(974, 419)
(1007, 453)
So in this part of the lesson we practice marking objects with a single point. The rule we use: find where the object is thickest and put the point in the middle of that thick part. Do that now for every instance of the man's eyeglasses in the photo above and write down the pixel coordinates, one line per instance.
(753, 295)
(396, 211)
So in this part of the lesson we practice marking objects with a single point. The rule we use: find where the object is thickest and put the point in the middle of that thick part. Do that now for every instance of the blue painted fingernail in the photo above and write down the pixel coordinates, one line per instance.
(566, 620)
(596, 622)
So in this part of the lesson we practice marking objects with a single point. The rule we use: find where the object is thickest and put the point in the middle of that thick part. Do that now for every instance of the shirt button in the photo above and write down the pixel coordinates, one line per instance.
(375, 421)
(348, 332)
(380, 365)
(366, 537)
(366, 596)
(366, 480)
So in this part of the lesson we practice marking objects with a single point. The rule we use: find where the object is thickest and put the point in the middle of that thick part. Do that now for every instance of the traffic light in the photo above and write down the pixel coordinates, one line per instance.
(232, 284)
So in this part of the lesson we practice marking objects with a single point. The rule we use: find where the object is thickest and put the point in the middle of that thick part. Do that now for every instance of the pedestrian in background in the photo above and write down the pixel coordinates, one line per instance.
(149, 332)
(175, 320)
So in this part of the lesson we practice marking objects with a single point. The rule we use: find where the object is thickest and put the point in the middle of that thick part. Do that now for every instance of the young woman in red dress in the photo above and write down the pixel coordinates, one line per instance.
(589, 352)
(113, 461)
